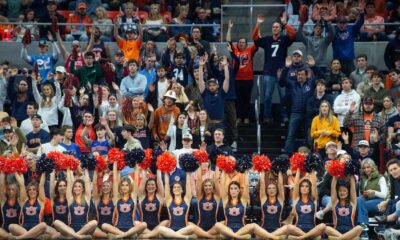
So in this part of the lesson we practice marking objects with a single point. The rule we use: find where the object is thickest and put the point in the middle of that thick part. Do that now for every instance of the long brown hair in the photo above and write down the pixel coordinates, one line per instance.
(47, 101)
(229, 187)
(330, 114)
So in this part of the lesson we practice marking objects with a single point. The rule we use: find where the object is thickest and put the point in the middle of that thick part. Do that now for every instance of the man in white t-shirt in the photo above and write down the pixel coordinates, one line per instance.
(26, 125)
(158, 88)
(56, 135)
(343, 101)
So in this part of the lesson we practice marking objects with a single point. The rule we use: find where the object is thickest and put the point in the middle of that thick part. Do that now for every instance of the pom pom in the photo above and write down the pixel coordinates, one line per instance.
(166, 162)
(188, 162)
(243, 163)
(201, 155)
(261, 163)
(134, 156)
(45, 165)
(297, 162)
(336, 168)
(15, 164)
(27, 38)
(58, 158)
(2, 163)
(101, 163)
(352, 167)
(281, 164)
(116, 155)
(312, 162)
(148, 158)
(226, 164)
(88, 161)
(70, 162)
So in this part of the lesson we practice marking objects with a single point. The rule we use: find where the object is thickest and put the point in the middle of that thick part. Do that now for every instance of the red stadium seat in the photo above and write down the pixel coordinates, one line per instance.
(112, 15)
(65, 13)
(167, 16)
(143, 15)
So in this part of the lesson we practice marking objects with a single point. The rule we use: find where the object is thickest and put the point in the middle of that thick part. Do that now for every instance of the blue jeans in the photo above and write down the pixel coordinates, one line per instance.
(365, 206)
(269, 86)
(295, 121)
(81, 38)
(326, 200)
(380, 36)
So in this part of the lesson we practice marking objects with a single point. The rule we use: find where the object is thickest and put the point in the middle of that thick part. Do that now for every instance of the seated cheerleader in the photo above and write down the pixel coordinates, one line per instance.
(151, 195)
(10, 207)
(103, 204)
(58, 196)
(78, 198)
(177, 201)
(125, 201)
(32, 201)
(305, 198)
(344, 203)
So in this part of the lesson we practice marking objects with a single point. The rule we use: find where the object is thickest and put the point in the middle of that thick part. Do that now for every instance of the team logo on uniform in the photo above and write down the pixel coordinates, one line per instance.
(125, 207)
(105, 210)
(31, 211)
(343, 211)
(79, 210)
(177, 211)
(208, 206)
(272, 209)
(234, 211)
(11, 213)
(177, 178)
(150, 207)
(305, 208)
(61, 209)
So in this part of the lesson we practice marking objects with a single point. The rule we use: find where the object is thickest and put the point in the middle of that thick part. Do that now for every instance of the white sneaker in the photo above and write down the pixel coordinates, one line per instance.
(320, 215)
(234, 145)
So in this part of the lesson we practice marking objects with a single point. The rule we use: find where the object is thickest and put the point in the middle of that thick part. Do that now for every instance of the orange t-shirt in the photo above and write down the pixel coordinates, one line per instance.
(245, 71)
(367, 124)
(130, 48)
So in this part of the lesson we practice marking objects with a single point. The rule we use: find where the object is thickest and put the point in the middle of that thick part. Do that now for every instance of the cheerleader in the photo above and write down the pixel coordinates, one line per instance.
(151, 195)
(58, 195)
(344, 204)
(78, 198)
(32, 201)
(125, 207)
(305, 198)
(10, 207)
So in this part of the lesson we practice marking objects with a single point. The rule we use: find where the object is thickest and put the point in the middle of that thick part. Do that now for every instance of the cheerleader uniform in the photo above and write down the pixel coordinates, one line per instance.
(344, 218)
(178, 215)
(10, 214)
(234, 216)
(125, 214)
(60, 211)
(305, 215)
(208, 213)
(150, 212)
(105, 212)
(31, 215)
(79, 215)
(271, 215)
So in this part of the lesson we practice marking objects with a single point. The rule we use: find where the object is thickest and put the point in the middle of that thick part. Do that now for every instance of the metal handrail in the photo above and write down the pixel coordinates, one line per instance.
(257, 112)
(107, 24)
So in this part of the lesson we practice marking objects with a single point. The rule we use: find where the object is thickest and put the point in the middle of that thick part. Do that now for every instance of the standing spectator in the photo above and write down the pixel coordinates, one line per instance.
(393, 124)
(192, 90)
(129, 20)
(334, 77)
(360, 73)
(131, 142)
(27, 22)
(26, 125)
(89, 74)
(374, 32)
(45, 62)
(201, 44)
(324, 128)
(175, 29)
(37, 136)
(51, 11)
(218, 147)
(214, 95)
(392, 50)
(317, 44)
(20, 98)
(343, 42)
(104, 24)
(344, 100)
(56, 136)
(135, 83)
(78, 32)
(87, 123)
(100, 49)
(119, 67)
(395, 88)
(177, 128)
(150, 49)
(68, 144)
(365, 124)
(157, 32)
(104, 138)
(244, 76)
(275, 51)
(14, 140)
(206, 32)
(324, 9)
(377, 91)
(389, 110)
(163, 115)
(158, 88)
(299, 91)
(363, 87)
(149, 71)
(130, 46)
(142, 132)
(179, 67)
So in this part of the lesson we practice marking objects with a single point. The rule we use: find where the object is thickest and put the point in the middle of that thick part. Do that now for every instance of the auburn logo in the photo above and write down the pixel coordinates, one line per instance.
(31, 211)
(61, 209)
(207, 206)
(105, 210)
(177, 211)
(150, 207)
(125, 207)
(79, 210)
(234, 211)
(11, 213)
(343, 211)
(305, 208)
(272, 209)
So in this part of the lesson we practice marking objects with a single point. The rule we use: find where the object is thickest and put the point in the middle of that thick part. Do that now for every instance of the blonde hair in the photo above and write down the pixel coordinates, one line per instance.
(330, 115)
(103, 10)
(143, 117)
(371, 163)
(47, 101)
(182, 97)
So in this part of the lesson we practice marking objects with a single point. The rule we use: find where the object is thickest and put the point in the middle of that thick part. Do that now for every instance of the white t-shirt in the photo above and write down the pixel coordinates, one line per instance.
(162, 88)
(47, 147)
(26, 126)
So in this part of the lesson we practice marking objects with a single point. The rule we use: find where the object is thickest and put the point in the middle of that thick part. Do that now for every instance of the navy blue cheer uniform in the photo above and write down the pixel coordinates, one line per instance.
(125, 214)
(79, 215)
(178, 215)
(271, 215)
(60, 211)
(305, 215)
(105, 212)
(31, 215)
(234, 216)
(10, 213)
(207, 213)
(344, 218)
(150, 212)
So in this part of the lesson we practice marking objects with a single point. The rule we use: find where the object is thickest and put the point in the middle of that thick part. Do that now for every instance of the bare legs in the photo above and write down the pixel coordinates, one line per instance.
(147, 233)
(86, 230)
(227, 231)
(184, 233)
(138, 228)
(22, 233)
(277, 234)
(335, 234)
(315, 232)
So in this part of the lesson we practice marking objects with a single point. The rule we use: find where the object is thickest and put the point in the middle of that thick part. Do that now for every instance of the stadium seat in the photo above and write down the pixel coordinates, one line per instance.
(112, 15)
(167, 16)
(143, 15)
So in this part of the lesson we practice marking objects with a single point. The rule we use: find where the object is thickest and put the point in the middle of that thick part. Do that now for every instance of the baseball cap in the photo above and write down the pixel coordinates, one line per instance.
(212, 80)
(82, 5)
(187, 136)
(328, 144)
(43, 42)
(61, 69)
(363, 143)
(119, 53)
(342, 19)
(8, 129)
(368, 99)
(132, 30)
(340, 152)
(75, 42)
(36, 116)
(170, 94)
(298, 52)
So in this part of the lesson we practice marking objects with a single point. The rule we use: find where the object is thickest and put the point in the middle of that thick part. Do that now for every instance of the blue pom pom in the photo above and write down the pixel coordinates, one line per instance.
(45, 165)
(312, 162)
(352, 167)
(280, 163)
(188, 162)
(88, 161)
(134, 156)
(243, 163)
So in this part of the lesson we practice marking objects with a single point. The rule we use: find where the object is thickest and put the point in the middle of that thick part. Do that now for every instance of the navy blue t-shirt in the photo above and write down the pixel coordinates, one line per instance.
(35, 139)
(394, 122)
(214, 103)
